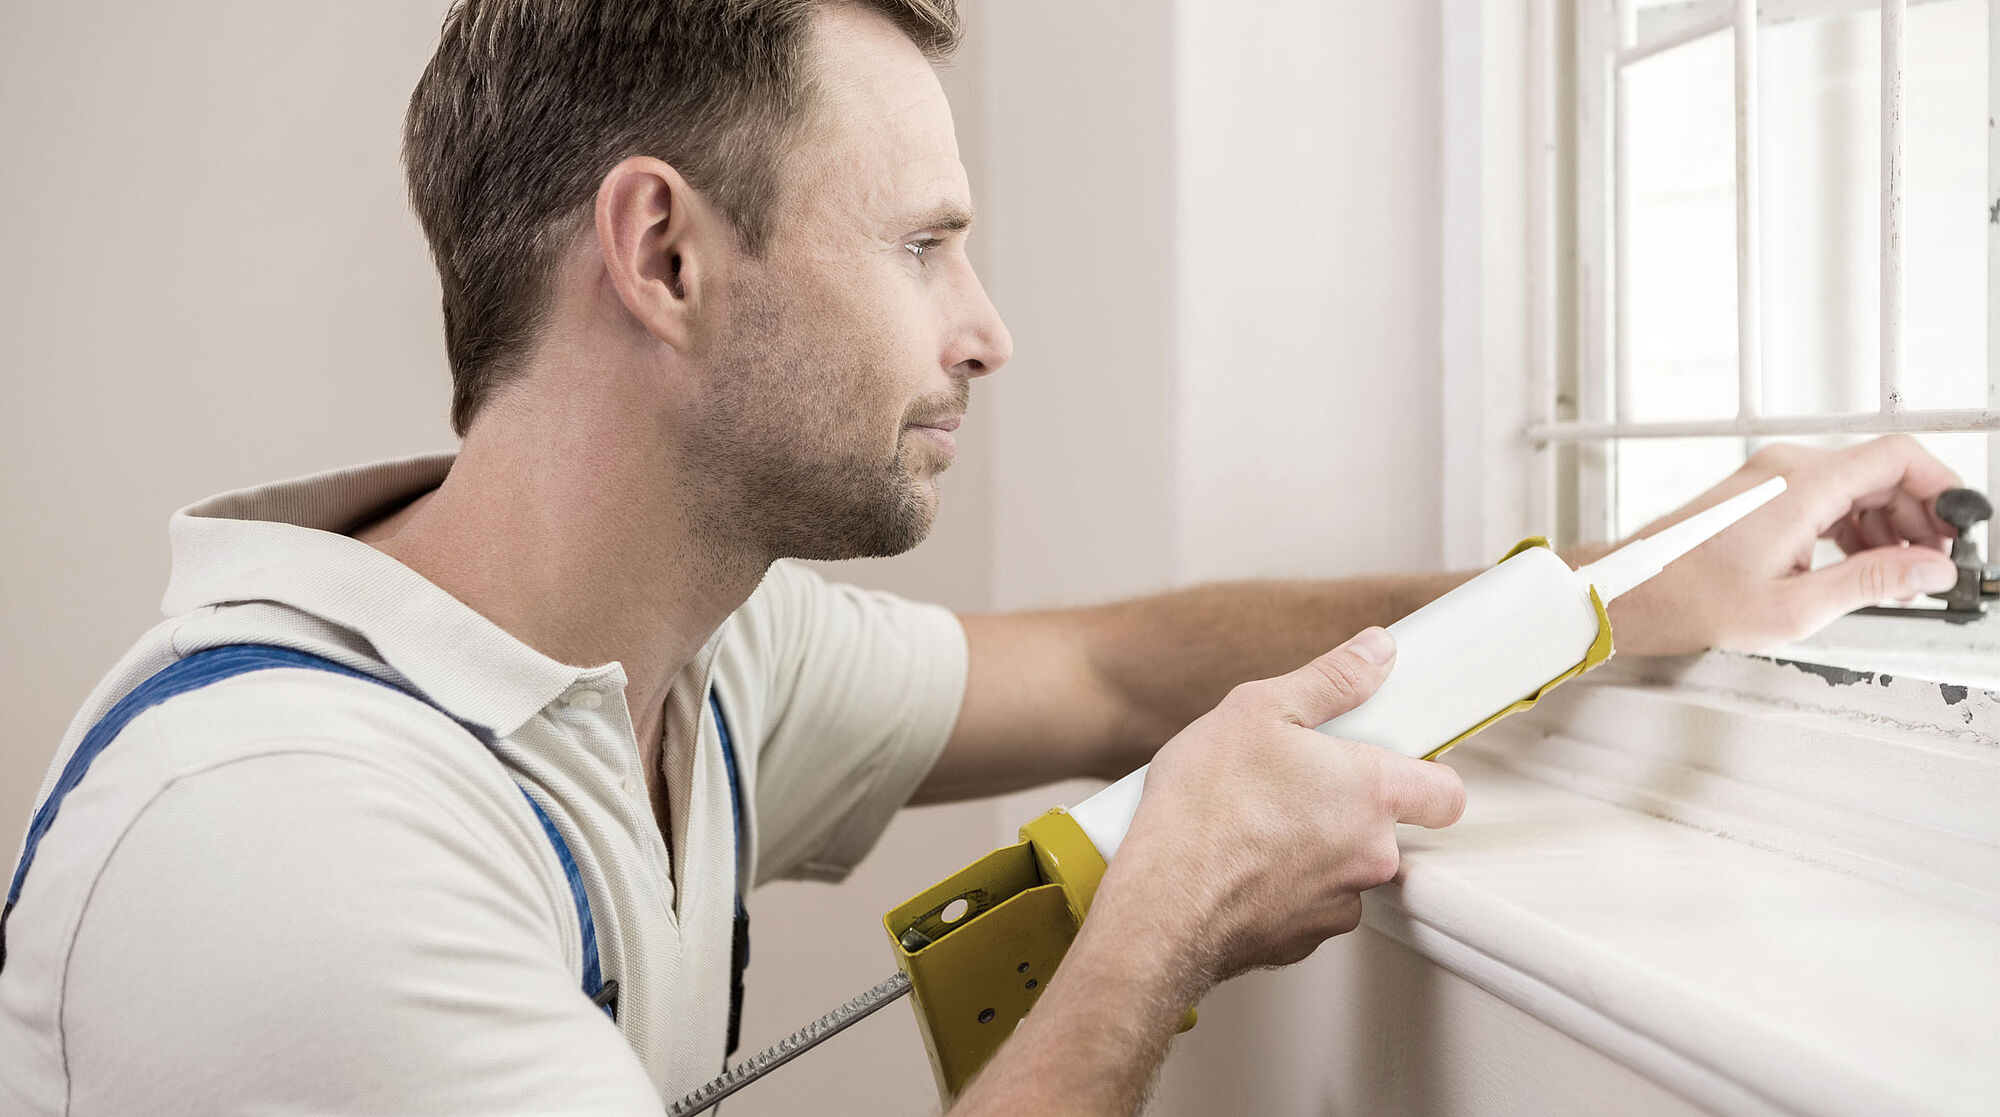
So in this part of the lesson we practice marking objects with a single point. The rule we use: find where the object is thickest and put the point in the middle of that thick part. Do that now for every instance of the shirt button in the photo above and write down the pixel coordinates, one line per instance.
(630, 785)
(585, 700)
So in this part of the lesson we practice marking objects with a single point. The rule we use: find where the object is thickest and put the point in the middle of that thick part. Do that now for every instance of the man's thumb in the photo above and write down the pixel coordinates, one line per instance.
(1339, 680)
(1871, 577)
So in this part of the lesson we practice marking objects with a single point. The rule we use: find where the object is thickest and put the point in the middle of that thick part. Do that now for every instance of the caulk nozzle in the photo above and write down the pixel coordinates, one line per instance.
(1640, 559)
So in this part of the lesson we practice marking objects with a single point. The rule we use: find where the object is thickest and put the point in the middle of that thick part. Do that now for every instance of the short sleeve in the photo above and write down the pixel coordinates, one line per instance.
(856, 692)
(308, 933)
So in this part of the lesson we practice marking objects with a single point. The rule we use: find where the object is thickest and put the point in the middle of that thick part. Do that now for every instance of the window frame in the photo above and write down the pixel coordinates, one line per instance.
(1521, 130)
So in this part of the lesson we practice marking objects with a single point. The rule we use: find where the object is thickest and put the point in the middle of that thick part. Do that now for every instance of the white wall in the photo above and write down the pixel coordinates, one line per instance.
(1307, 330)
(1079, 241)
(1310, 346)
(208, 278)
(1214, 233)
(1216, 244)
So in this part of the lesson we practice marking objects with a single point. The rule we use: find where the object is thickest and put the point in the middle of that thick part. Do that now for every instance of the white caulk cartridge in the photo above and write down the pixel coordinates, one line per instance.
(979, 945)
(1492, 647)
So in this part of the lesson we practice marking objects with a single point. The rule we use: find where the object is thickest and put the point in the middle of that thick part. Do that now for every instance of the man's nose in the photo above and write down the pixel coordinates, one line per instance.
(988, 344)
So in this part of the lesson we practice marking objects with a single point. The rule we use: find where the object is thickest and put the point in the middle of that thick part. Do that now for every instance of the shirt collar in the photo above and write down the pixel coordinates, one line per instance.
(286, 543)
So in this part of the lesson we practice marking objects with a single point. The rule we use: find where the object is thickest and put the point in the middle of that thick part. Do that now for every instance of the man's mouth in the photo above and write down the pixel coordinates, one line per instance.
(938, 433)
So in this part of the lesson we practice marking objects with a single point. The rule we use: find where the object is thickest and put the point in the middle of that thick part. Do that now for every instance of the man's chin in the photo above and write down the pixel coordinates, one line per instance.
(910, 524)
(879, 533)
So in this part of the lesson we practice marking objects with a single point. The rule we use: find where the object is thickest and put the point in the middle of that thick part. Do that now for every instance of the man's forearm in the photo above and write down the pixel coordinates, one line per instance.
(1171, 657)
(1096, 691)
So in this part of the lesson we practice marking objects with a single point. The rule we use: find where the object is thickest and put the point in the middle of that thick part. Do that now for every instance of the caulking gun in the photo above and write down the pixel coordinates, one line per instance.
(978, 947)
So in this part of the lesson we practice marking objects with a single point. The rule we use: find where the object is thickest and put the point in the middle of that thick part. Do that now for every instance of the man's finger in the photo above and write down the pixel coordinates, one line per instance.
(1337, 681)
(1869, 475)
(1874, 529)
(1868, 578)
(1914, 520)
(1842, 533)
(1423, 792)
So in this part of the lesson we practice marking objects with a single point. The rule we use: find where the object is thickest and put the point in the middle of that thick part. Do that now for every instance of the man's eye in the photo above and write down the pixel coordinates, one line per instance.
(922, 246)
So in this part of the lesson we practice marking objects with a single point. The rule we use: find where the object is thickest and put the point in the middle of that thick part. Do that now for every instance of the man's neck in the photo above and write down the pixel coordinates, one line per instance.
(587, 554)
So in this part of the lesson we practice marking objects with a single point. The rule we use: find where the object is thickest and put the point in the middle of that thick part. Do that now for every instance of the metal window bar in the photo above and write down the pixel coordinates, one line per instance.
(1588, 469)
(1749, 218)
(1893, 12)
(1604, 52)
(1621, 214)
(1544, 172)
(1993, 273)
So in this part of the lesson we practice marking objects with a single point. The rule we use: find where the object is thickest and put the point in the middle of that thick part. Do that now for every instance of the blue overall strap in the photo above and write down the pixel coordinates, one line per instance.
(739, 937)
(214, 665)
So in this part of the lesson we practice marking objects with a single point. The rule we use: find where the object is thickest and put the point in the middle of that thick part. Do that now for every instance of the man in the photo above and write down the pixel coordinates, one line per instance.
(708, 308)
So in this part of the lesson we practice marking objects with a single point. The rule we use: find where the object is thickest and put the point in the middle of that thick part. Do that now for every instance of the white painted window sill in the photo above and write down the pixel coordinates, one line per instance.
(1720, 874)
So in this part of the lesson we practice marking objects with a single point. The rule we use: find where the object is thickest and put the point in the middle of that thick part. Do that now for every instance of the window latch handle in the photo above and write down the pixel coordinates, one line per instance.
(1978, 580)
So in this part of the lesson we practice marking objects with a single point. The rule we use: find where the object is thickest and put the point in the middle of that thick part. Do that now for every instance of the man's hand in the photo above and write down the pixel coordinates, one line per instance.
(1253, 842)
(1753, 586)
(1262, 833)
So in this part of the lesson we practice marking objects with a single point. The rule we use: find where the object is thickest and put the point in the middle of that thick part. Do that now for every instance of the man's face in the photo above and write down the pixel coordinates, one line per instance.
(850, 344)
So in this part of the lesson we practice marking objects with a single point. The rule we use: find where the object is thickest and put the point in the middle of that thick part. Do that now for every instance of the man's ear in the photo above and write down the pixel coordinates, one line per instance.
(660, 244)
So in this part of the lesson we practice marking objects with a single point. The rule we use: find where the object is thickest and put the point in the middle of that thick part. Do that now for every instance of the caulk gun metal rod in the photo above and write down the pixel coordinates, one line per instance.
(791, 1047)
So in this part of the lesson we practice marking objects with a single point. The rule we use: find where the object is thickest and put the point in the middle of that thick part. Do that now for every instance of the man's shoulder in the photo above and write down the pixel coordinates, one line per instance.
(259, 773)
(287, 709)
(317, 692)
(307, 861)
(357, 743)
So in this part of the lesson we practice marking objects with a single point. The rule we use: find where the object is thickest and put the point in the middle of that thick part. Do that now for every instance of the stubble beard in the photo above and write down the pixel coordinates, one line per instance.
(847, 507)
(784, 455)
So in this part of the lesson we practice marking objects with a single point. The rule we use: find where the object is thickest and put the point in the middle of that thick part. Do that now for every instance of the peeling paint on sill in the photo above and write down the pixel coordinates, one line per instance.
(1859, 696)
(1836, 676)
(1952, 693)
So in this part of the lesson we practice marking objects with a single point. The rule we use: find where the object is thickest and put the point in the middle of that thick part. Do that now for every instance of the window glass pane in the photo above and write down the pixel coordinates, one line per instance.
(1944, 227)
(1681, 238)
(1821, 163)
(1821, 172)
(1658, 475)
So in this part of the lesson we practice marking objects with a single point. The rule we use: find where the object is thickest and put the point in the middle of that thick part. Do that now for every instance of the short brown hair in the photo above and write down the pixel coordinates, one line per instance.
(528, 103)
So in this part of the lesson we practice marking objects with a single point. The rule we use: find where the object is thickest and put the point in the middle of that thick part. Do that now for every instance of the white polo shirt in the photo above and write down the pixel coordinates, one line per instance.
(293, 891)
